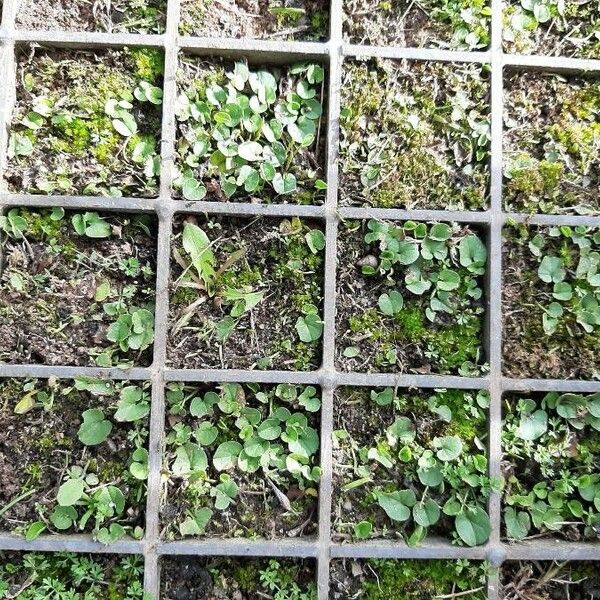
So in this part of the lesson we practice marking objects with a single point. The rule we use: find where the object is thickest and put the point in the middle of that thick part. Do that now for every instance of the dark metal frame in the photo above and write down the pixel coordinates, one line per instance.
(331, 54)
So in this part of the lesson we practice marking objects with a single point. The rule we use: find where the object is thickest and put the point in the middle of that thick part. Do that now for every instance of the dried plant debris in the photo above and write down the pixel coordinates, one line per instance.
(77, 289)
(552, 27)
(425, 473)
(86, 123)
(552, 143)
(410, 297)
(414, 135)
(64, 575)
(551, 466)
(110, 16)
(551, 302)
(284, 20)
(82, 447)
(383, 579)
(249, 133)
(241, 461)
(546, 580)
(246, 294)
(239, 578)
(460, 24)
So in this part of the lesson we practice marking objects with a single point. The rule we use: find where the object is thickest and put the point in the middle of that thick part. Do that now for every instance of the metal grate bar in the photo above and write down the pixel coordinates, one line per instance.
(165, 207)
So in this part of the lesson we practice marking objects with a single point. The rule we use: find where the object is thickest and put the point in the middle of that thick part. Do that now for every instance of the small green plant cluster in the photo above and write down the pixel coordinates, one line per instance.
(92, 495)
(550, 447)
(238, 273)
(552, 143)
(414, 135)
(410, 579)
(552, 27)
(76, 244)
(458, 24)
(219, 439)
(429, 275)
(426, 470)
(66, 576)
(568, 277)
(89, 126)
(251, 132)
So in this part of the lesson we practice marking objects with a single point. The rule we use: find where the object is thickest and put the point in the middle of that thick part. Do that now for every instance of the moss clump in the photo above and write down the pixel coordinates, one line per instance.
(414, 135)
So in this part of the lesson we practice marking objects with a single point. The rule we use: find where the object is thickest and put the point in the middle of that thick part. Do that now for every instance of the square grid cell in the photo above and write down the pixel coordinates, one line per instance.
(331, 54)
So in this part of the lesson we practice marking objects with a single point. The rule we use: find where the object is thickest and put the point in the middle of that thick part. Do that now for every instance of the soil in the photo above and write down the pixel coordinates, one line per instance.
(37, 449)
(256, 510)
(54, 319)
(545, 580)
(396, 23)
(307, 164)
(76, 150)
(62, 571)
(276, 260)
(92, 15)
(408, 136)
(569, 353)
(350, 507)
(575, 36)
(254, 19)
(552, 121)
(357, 299)
(195, 578)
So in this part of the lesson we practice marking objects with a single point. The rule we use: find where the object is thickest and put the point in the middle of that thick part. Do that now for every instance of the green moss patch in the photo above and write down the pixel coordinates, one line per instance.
(73, 457)
(246, 294)
(410, 464)
(552, 143)
(555, 27)
(253, 134)
(410, 298)
(37, 575)
(116, 16)
(77, 288)
(251, 579)
(549, 580)
(552, 481)
(378, 579)
(301, 20)
(464, 24)
(551, 302)
(86, 123)
(414, 135)
(242, 461)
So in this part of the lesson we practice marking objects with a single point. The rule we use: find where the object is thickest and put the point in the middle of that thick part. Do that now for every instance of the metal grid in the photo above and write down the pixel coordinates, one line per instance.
(331, 54)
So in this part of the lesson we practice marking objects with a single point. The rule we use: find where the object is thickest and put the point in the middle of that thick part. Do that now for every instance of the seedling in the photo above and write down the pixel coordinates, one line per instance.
(92, 479)
(426, 470)
(88, 126)
(552, 486)
(421, 283)
(556, 275)
(228, 445)
(65, 576)
(414, 135)
(78, 289)
(274, 578)
(250, 132)
(247, 293)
